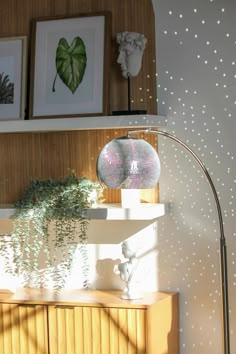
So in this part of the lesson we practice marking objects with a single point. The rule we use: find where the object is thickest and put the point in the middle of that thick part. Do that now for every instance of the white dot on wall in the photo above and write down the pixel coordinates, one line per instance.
(203, 21)
(218, 22)
(170, 12)
(181, 16)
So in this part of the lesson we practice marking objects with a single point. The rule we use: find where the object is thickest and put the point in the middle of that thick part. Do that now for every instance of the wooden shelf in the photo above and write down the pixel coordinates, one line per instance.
(82, 123)
(146, 211)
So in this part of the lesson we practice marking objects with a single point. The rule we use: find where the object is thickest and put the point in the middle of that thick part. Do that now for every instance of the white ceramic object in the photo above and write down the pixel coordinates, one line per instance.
(131, 47)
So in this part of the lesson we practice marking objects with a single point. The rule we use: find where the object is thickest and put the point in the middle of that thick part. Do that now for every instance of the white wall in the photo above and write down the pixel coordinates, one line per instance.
(196, 66)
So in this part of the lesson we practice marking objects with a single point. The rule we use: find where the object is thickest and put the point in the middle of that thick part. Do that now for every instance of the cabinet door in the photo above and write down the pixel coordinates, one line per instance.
(92, 330)
(23, 329)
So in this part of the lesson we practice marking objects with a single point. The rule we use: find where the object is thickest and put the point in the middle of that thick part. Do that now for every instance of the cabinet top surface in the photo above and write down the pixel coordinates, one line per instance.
(81, 297)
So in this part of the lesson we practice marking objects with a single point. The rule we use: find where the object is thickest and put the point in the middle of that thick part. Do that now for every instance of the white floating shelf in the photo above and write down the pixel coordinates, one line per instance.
(82, 123)
(146, 211)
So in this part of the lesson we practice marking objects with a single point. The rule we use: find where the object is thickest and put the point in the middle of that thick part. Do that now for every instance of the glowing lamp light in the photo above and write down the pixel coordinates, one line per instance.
(128, 163)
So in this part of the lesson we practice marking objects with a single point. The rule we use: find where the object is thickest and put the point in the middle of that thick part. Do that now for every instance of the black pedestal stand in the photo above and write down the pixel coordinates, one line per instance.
(129, 111)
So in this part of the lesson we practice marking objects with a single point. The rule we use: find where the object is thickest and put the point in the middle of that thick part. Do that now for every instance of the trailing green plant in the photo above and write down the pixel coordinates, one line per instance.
(49, 223)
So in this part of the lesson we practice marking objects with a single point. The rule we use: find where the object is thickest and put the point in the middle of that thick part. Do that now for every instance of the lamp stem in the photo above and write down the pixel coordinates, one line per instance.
(223, 250)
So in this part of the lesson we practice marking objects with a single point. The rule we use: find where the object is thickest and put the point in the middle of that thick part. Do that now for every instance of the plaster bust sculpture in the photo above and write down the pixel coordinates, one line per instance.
(128, 271)
(131, 47)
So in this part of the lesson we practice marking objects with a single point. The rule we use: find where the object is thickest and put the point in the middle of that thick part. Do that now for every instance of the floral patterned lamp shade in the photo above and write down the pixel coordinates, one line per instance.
(128, 163)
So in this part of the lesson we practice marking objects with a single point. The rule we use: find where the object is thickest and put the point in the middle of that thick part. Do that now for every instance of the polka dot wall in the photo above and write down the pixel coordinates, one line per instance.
(196, 74)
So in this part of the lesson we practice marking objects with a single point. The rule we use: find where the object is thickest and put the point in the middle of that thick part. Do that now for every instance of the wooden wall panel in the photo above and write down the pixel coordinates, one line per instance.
(24, 157)
(20, 161)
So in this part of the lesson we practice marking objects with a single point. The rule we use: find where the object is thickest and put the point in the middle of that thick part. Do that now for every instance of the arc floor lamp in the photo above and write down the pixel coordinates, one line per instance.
(131, 163)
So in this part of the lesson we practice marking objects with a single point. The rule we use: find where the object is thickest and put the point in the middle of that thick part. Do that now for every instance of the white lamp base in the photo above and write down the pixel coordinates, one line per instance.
(130, 198)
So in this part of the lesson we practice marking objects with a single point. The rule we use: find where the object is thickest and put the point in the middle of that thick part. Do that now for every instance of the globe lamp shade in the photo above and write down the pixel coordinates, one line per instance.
(128, 163)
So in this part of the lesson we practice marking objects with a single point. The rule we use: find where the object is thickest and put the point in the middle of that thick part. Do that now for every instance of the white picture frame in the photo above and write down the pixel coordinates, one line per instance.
(51, 97)
(13, 77)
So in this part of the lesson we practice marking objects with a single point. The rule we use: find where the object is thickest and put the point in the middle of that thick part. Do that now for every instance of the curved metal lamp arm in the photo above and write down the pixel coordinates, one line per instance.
(223, 250)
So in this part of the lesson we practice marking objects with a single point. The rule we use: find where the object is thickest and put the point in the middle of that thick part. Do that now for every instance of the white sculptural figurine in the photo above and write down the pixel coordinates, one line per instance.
(128, 271)
(131, 47)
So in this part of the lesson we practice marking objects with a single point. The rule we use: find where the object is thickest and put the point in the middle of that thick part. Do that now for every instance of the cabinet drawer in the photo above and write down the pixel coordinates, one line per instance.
(23, 329)
(92, 330)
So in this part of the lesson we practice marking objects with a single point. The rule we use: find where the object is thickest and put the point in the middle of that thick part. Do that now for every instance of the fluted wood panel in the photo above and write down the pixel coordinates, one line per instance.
(24, 157)
(23, 329)
(92, 330)
(127, 15)
(89, 322)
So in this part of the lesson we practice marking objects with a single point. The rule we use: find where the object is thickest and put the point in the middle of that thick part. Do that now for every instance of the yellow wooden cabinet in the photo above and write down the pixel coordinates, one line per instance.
(88, 322)
(23, 329)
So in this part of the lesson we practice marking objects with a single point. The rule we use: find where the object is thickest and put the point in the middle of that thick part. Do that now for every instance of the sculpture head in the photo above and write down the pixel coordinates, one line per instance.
(129, 249)
(131, 47)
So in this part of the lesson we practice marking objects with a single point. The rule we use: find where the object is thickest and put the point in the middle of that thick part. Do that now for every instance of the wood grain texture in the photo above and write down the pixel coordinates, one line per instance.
(24, 157)
(127, 15)
(88, 322)
(100, 330)
(23, 329)
(27, 156)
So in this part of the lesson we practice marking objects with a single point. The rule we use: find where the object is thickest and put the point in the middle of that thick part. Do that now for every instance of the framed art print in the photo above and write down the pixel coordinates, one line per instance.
(12, 77)
(69, 66)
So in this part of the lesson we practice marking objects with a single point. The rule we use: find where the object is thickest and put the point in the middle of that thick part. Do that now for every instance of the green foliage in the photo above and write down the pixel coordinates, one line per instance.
(60, 205)
(71, 62)
(6, 89)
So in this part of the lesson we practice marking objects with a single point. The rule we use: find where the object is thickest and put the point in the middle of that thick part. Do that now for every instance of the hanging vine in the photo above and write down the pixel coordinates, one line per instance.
(60, 205)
